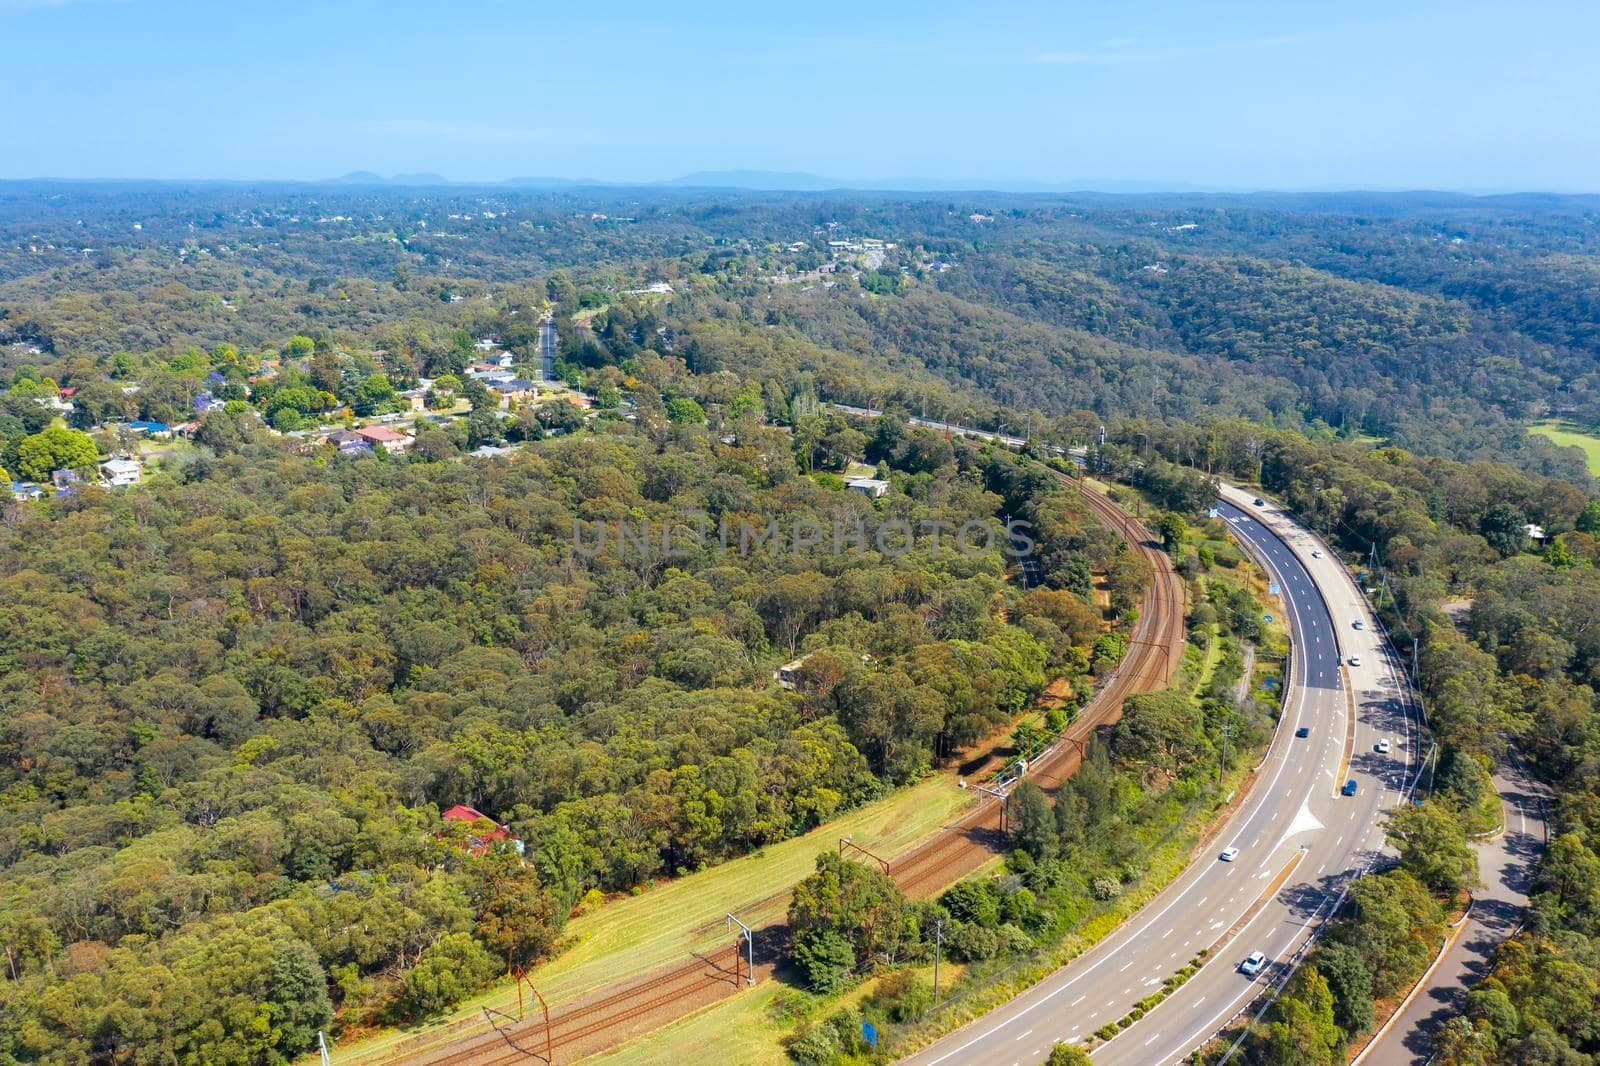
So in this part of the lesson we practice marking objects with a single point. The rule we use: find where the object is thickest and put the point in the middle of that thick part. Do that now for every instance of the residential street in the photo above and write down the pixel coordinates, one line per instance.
(1506, 865)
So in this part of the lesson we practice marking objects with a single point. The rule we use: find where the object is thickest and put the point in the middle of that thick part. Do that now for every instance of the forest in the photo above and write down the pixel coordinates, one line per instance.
(240, 697)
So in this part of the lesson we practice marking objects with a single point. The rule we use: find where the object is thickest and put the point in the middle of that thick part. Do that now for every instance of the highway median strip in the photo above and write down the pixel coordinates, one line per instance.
(1177, 980)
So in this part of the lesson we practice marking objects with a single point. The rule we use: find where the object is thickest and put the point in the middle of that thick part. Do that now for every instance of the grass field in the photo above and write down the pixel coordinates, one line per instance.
(1567, 435)
(664, 924)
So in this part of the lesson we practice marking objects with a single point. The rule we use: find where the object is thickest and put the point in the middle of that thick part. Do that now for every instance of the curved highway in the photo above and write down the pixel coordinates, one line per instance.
(1300, 839)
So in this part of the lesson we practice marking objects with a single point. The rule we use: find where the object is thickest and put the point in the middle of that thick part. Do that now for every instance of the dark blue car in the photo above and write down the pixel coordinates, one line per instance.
(1349, 787)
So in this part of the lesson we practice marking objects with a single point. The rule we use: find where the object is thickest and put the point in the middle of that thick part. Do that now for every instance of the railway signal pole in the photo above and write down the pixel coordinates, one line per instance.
(750, 951)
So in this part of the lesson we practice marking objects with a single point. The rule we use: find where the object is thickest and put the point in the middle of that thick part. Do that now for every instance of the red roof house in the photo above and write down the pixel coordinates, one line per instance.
(483, 840)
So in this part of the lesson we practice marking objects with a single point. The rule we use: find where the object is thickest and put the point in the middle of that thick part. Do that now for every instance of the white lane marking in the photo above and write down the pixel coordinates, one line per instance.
(1025, 1035)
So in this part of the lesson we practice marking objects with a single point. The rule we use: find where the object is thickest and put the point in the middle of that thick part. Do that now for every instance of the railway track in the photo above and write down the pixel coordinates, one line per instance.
(525, 1042)
(960, 848)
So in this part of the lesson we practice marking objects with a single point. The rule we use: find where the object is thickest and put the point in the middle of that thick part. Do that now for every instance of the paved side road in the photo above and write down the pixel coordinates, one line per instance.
(1506, 866)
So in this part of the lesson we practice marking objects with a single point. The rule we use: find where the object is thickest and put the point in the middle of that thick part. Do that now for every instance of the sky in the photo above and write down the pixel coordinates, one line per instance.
(1081, 93)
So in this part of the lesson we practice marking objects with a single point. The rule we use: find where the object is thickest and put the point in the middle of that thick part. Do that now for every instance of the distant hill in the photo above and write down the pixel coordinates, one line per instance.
(367, 177)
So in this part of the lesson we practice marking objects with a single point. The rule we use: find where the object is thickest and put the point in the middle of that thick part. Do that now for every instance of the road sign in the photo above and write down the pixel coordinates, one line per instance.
(869, 1033)
(1266, 618)
(1214, 513)
(1273, 588)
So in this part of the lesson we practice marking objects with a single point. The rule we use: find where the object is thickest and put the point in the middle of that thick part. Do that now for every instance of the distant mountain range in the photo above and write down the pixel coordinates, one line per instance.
(791, 181)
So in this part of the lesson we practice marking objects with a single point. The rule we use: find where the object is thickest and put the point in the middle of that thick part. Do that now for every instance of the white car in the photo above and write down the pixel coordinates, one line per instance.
(1383, 746)
(1355, 660)
(1358, 624)
(1252, 964)
(1229, 854)
(1316, 553)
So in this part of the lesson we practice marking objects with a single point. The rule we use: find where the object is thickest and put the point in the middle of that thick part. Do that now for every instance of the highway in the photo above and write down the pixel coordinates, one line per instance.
(1293, 827)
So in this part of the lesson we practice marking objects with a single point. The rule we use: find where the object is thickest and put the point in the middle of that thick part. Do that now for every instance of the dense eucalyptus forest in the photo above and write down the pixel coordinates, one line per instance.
(236, 698)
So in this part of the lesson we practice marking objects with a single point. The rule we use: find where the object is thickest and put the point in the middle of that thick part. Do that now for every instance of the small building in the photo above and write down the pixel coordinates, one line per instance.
(25, 491)
(788, 675)
(483, 838)
(1534, 532)
(385, 438)
(867, 486)
(416, 399)
(150, 429)
(120, 473)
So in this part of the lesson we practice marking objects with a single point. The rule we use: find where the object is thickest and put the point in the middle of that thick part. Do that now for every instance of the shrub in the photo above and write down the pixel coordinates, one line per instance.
(1105, 888)
(974, 943)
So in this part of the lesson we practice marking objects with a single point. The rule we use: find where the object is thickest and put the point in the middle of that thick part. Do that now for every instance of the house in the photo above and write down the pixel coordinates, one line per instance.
(150, 429)
(788, 674)
(1534, 532)
(25, 491)
(206, 402)
(416, 399)
(63, 478)
(488, 375)
(385, 438)
(349, 443)
(482, 840)
(867, 486)
(121, 472)
(517, 390)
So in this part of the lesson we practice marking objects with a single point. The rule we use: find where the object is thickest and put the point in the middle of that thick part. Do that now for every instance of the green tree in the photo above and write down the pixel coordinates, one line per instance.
(685, 412)
(1504, 526)
(56, 448)
(861, 904)
(515, 917)
(1350, 984)
(1433, 846)
(298, 991)
(299, 347)
(448, 972)
(1033, 823)
(827, 960)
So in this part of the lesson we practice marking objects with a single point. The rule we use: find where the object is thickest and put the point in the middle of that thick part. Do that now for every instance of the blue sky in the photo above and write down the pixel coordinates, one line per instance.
(1219, 94)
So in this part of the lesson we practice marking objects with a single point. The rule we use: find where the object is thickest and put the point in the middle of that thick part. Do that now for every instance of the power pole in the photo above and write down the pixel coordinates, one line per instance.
(1003, 796)
(938, 949)
(750, 951)
(1223, 766)
(322, 1044)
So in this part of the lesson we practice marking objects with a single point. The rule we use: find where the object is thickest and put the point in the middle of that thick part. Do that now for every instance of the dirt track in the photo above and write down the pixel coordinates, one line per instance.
(606, 1018)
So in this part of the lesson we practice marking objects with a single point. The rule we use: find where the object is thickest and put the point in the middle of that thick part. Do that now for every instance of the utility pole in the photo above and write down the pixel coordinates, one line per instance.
(322, 1044)
(750, 951)
(1004, 798)
(938, 949)
(1223, 766)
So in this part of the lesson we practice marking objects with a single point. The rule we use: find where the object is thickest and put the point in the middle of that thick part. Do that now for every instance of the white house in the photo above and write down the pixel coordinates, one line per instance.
(867, 486)
(120, 472)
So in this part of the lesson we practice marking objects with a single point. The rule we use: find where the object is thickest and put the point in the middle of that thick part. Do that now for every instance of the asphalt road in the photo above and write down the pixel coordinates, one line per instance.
(1295, 804)
(1506, 866)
